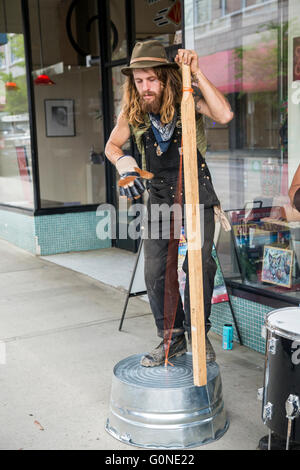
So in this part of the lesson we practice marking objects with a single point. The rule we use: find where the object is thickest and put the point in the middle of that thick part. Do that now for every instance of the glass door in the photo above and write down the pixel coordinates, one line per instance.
(69, 115)
(129, 20)
(16, 188)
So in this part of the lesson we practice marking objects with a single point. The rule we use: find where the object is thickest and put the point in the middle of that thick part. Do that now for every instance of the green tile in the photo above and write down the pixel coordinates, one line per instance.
(250, 319)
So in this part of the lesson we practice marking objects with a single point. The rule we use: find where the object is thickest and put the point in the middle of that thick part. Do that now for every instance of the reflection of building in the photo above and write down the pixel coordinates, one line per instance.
(53, 178)
(247, 49)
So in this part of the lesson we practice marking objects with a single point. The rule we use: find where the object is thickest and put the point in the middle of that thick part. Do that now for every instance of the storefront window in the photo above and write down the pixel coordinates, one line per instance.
(65, 47)
(15, 146)
(254, 158)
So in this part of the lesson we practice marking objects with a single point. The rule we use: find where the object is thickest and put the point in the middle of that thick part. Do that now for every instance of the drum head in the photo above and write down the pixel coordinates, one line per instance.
(285, 322)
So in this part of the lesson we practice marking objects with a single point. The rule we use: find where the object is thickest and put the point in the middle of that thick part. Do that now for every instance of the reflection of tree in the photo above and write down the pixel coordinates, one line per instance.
(264, 61)
(17, 48)
(16, 100)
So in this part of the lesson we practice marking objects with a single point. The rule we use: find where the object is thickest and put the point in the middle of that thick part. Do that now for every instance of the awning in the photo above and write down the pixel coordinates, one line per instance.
(256, 71)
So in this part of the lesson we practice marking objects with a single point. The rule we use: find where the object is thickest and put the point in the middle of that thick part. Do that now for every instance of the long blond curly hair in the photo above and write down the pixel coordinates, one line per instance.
(171, 96)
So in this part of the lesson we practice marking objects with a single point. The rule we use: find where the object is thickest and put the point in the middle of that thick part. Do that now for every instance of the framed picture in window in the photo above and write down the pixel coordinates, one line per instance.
(277, 266)
(60, 118)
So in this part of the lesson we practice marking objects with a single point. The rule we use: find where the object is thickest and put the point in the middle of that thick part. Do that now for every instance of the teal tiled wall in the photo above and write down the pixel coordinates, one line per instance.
(18, 229)
(250, 319)
(51, 234)
(74, 231)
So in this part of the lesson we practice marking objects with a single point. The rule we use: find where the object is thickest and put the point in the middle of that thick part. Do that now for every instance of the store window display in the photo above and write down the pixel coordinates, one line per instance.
(254, 160)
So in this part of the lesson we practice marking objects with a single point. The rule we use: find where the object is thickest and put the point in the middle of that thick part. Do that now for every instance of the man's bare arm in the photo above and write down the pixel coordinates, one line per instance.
(119, 136)
(212, 103)
(295, 185)
(130, 183)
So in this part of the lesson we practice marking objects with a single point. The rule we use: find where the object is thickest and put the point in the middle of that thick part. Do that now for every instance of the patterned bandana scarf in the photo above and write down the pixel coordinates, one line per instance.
(165, 130)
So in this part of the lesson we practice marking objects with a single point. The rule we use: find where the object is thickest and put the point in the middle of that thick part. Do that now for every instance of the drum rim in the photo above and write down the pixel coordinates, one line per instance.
(281, 331)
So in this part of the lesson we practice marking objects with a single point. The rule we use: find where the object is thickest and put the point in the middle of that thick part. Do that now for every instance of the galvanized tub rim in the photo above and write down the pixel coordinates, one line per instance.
(112, 432)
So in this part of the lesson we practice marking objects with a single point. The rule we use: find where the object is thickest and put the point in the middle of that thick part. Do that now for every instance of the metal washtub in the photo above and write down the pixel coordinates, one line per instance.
(161, 408)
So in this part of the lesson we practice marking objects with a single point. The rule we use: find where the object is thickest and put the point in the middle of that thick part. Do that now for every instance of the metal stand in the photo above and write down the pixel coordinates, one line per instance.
(129, 293)
(275, 442)
(292, 408)
(270, 439)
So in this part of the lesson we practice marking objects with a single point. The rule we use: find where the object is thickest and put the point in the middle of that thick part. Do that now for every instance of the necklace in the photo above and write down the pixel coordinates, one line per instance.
(158, 151)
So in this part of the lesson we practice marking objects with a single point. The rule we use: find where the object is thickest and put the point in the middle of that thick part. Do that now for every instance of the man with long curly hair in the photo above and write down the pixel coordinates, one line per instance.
(151, 115)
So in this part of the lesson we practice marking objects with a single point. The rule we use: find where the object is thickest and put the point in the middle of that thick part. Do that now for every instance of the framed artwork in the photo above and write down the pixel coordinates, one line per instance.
(277, 266)
(60, 119)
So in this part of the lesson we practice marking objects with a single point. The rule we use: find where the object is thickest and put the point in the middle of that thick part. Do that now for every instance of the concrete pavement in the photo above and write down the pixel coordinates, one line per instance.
(60, 330)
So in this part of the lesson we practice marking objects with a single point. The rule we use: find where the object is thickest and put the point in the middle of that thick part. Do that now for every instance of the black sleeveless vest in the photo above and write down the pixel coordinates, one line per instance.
(162, 188)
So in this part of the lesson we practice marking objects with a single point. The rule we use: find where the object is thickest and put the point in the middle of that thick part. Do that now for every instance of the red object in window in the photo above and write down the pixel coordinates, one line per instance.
(43, 80)
(25, 173)
(11, 86)
(174, 13)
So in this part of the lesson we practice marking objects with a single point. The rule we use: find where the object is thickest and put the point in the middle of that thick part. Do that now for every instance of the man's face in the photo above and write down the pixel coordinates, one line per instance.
(149, 88)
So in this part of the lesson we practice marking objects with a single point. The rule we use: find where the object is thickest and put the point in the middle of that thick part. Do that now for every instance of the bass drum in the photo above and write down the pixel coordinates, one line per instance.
(281, 395)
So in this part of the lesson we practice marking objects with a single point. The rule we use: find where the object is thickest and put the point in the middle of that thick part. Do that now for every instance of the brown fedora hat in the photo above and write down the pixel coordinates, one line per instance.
(146, 55)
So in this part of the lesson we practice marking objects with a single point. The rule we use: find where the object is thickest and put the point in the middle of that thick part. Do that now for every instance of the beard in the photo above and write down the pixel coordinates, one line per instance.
(153, 106)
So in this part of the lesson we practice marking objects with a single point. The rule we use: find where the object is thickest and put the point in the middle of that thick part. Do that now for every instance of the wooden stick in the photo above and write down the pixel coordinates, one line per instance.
(193, 229)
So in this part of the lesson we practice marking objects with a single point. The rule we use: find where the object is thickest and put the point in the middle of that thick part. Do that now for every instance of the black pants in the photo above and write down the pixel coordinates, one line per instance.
(156, 253)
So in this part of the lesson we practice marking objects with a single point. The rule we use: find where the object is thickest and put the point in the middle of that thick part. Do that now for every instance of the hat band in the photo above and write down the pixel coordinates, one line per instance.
(143, 59)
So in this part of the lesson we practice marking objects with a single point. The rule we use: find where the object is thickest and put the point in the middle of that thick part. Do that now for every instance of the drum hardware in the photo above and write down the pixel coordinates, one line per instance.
(278, 442)
(272, 345)
(269, 439)
(292, 408)
(267, 412)
(267, 416)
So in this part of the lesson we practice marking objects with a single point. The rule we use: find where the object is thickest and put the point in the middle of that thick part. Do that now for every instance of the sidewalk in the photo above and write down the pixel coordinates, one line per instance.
(60, 329)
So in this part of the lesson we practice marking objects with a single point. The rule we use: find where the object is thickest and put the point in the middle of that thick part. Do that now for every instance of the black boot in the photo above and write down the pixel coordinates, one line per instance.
(210, 353)
(157, 356)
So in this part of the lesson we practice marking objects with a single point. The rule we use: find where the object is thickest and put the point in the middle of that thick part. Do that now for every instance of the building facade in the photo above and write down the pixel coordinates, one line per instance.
(60, 94)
